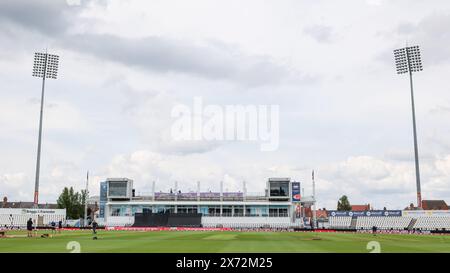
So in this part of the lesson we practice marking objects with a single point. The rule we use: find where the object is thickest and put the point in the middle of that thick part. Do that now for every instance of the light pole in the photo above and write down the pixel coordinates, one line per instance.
(314, 200)
(45, 67)
(86, 200)
(408, 60)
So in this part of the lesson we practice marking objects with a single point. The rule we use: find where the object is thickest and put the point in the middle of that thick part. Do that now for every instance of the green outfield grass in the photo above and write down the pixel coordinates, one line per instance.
(225, 241)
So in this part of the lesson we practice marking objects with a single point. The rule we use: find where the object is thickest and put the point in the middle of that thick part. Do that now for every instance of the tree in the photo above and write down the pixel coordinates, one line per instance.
(73, 202)
(344, 204)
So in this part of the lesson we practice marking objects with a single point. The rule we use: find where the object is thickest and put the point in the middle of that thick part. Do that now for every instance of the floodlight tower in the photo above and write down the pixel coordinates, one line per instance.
(45, 67)
(408, 60)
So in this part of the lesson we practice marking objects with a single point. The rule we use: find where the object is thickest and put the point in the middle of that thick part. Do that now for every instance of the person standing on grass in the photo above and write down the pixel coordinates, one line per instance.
(94, 227)
(59, 226)
(34, 227)
(30, 228)
(53, 224)
(11, 221)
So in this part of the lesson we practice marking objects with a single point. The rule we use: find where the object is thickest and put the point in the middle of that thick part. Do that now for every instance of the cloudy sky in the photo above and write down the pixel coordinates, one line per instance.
(328, 65)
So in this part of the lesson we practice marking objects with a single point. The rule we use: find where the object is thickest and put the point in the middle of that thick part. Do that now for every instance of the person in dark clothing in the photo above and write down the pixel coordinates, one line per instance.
(94, 229)
(59, 226)
(53, 224)
(30, 227)
(374, 230)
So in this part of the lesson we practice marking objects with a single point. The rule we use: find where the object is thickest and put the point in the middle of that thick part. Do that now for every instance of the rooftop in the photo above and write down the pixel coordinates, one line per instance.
(26, 205)
(434, 205)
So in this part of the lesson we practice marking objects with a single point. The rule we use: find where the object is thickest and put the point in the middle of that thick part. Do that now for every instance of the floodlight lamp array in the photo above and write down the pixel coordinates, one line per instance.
(408, 59)
(45, 64)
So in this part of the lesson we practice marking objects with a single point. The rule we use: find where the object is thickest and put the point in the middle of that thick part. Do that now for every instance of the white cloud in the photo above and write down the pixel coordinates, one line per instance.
(19, 115)
(383, 182)
(374, 2)
(322, 34)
